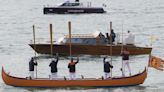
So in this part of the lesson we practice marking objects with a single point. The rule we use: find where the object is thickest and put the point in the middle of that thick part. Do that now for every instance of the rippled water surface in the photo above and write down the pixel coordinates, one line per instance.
(143, 17)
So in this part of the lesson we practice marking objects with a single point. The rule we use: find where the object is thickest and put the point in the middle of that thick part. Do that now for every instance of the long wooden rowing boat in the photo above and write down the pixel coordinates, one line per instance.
(85, 82)
(89, 49)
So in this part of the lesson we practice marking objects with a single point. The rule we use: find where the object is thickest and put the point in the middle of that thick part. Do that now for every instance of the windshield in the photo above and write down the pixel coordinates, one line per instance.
(70, 4)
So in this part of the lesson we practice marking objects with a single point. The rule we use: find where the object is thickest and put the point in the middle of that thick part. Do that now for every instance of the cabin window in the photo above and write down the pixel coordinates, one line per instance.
(70, 4)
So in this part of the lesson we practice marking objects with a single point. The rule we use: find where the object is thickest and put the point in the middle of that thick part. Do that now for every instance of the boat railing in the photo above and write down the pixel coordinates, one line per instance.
(42, 40)
(80, 36)
(89, 4)
(117, 39)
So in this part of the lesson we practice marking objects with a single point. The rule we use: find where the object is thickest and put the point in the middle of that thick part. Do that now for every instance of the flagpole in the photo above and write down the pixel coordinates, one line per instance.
(34, 44)
(70, 45)
(111, 45)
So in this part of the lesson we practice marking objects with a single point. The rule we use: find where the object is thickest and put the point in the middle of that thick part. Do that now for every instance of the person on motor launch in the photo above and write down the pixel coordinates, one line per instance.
(72, 68)
(111, 38)
(112, 35)
(107, 68)
(130, 40)
(125, 57)
(32, 65)
(53, 66)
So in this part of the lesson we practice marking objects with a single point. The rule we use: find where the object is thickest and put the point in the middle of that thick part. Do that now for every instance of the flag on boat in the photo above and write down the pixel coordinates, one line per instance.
(156, 63)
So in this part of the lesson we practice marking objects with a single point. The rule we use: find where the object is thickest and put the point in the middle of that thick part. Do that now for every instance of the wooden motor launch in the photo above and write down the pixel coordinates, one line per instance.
(78, 49)
(79, 82)
(86, 44)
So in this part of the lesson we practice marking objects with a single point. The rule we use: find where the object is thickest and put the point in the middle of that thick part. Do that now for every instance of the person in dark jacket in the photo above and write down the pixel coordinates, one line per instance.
(112, 35)
(31, 67)
(125, 58)
(72, 68)
(54, 69)
(107, 68)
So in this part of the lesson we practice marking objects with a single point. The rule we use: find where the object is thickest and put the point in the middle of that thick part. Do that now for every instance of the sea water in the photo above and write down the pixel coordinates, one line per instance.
(144, 18)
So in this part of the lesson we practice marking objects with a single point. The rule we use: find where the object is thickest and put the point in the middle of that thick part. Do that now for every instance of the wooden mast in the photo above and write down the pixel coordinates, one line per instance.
(111, 45)
(51, 40)
(70, 45)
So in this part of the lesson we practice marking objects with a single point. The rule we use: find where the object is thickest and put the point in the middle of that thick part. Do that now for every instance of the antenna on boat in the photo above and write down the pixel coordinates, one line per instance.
(51, 40)
(111, 45)
(34, 42)
(70, 45)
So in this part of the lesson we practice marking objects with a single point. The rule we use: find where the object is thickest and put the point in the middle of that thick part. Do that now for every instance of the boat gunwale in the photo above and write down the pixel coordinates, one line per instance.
(131, 46)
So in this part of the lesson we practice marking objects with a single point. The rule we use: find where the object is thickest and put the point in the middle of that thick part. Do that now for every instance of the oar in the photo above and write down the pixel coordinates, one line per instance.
(34, 39)
(111, 45)
(34, 45)
(51, 40)
(121, 52)
(70, 45)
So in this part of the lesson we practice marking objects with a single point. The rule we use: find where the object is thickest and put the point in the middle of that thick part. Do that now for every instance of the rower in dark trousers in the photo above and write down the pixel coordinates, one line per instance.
(107, 68)
(72, 68)
(32, 65)
(54, 69)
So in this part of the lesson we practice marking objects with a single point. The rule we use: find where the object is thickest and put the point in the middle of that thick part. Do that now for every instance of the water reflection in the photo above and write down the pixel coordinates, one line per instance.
(140, 88)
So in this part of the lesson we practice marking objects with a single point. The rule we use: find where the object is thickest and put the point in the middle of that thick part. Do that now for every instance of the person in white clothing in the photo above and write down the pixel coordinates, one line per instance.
(125, 57)
(130, 40)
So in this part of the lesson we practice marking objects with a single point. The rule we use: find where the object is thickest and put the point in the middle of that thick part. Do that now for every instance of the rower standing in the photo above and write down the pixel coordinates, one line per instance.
(107, 68)
(125, 57)
(31, 67)
(72, 68)
(54, 69)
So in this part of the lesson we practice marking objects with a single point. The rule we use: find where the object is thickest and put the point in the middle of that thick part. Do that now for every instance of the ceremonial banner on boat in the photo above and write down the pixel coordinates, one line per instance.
(156, 63)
